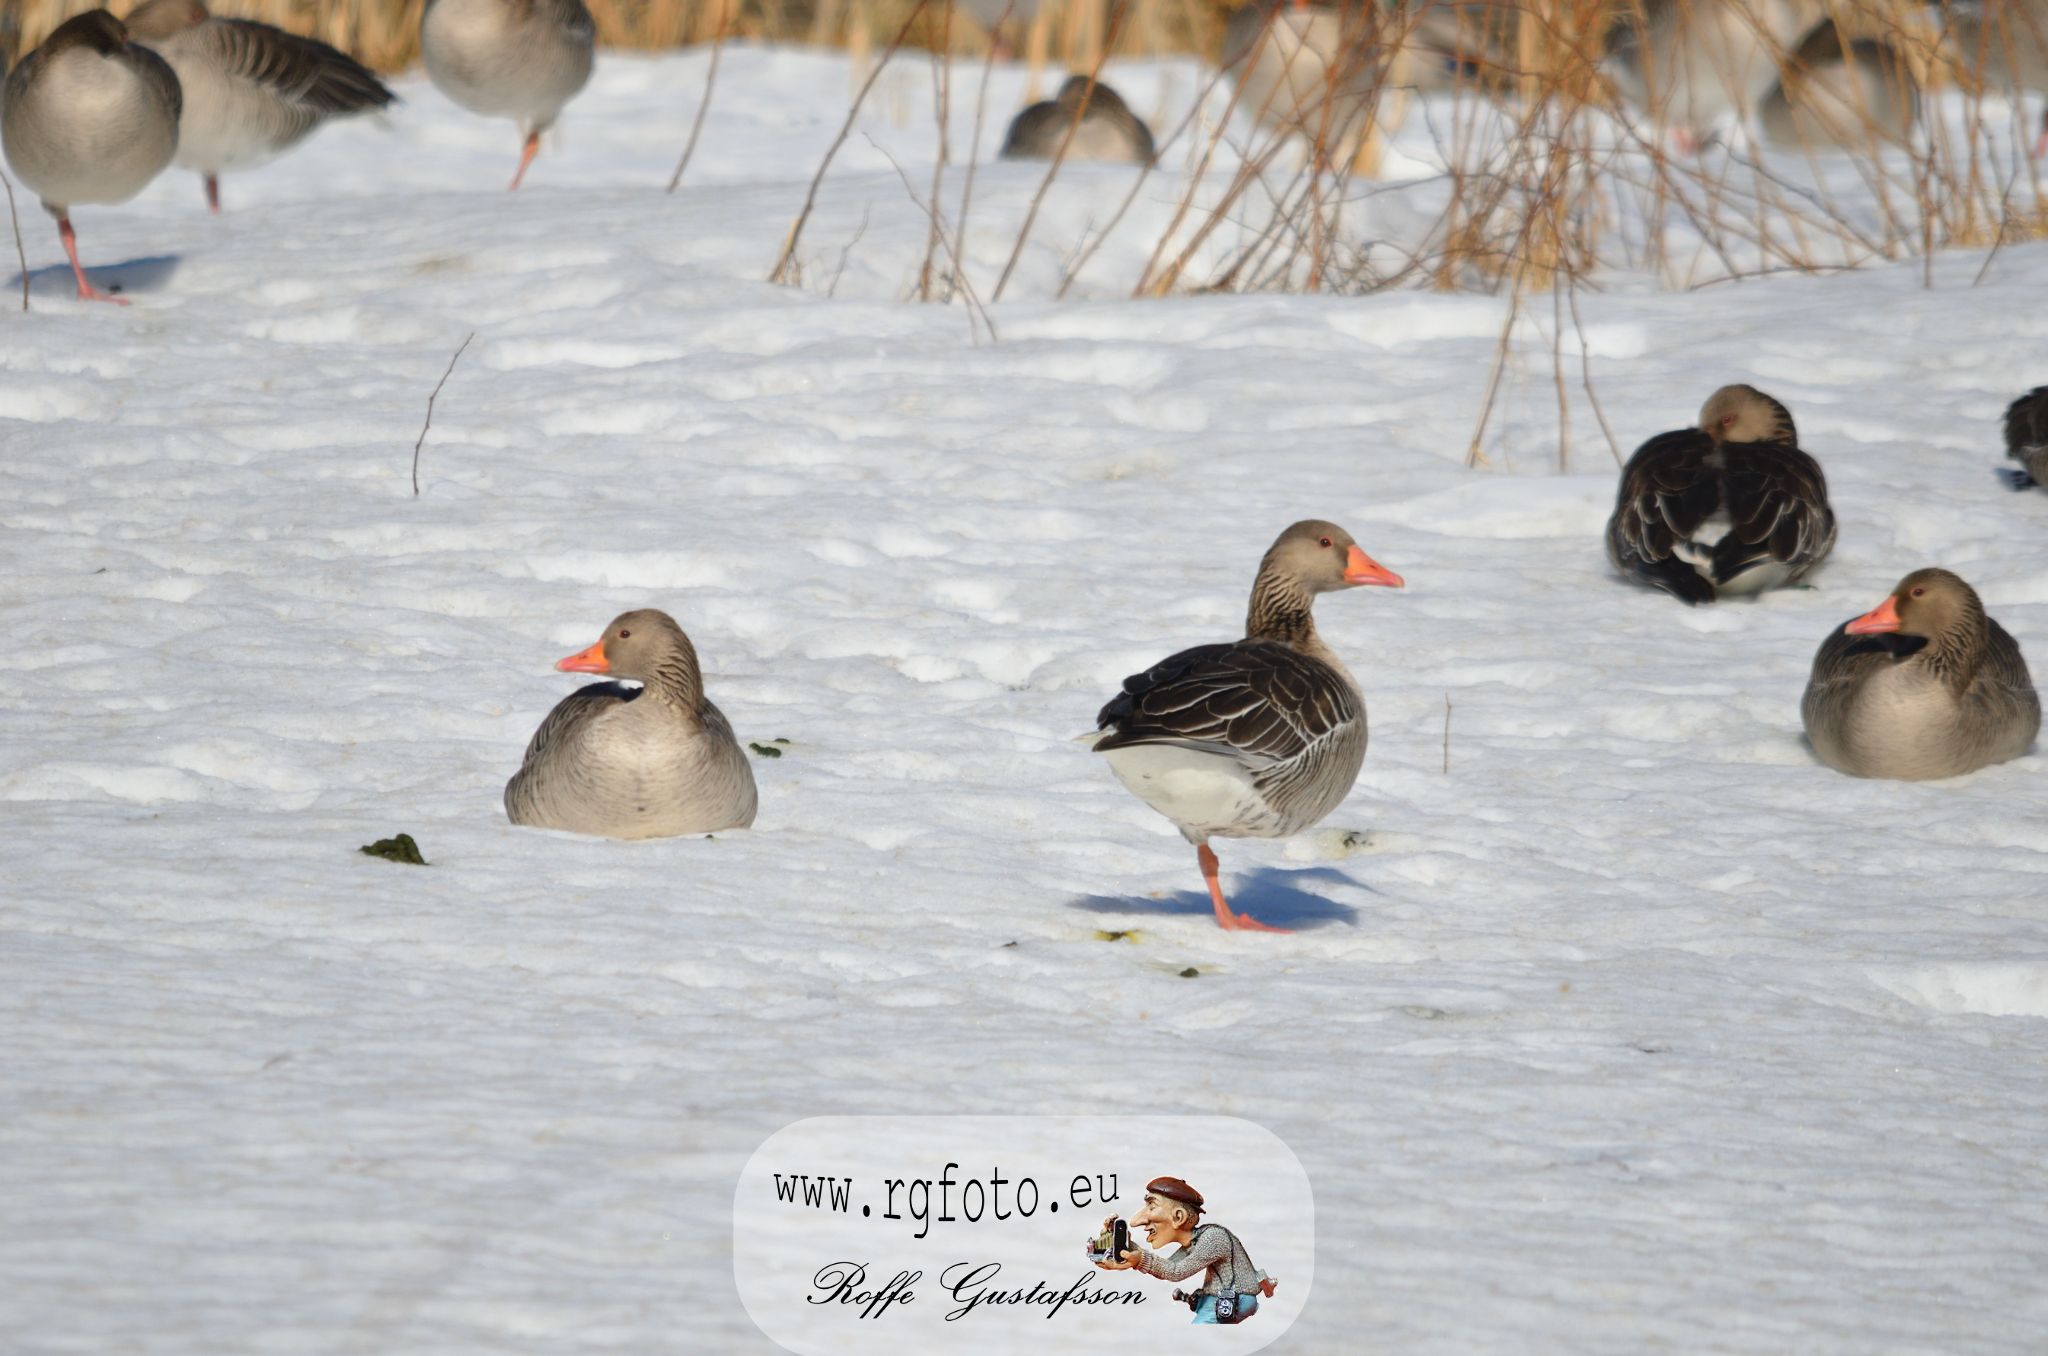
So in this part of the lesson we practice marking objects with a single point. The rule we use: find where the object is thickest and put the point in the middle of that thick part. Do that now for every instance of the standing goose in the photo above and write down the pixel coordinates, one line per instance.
(518, 59)
(1108, 130)
(88, 117)
(1731, 507)
(1922, 685)
(1833, 96)
(646, 762)
(1257, 738)
(251, 91)
(1694, 63)
(2026, 439)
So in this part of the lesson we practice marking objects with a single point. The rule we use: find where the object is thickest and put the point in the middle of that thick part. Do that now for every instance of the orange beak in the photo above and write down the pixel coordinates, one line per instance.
(1883, 617)
(591, 660)
(1360, 568)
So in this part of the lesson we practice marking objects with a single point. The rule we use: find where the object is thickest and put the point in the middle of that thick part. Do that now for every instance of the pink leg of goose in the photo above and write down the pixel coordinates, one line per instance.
(532, 149)
(2041, 142)
(213, 194)
(1225, 919)
(86, 291)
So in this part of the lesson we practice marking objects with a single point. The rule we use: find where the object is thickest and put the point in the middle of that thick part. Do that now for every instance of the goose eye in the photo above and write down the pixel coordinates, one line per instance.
(1920, 592)
(1326, 541)
(624, 634)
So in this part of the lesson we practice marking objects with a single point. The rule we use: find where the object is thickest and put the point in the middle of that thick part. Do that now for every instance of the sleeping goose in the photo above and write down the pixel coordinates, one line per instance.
(624, 762)
(1731, 507)
(1108, 130)
(1256, 738)
(1922, 685)
(1692, 64)
(251, 91)
(518, 59)
(2026, 439)
(1833, 96)
(88, 117)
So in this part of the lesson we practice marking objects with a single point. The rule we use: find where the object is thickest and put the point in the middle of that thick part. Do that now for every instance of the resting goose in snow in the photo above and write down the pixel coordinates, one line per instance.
(88, 117)
(646, 762)
(1257, 738)
(1922, 685)
(518, 59)
(1108, 130)
(1836, 97)
(251, 91)
(2026, 439)
(1731, 507)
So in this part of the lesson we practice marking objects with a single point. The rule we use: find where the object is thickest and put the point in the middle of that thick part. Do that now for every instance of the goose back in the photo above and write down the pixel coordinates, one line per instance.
(2026, 438)
(520, 59)
(1108, 130)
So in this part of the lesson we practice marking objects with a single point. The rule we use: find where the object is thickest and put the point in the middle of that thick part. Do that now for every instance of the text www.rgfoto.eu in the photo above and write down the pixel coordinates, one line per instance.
(996, 1197)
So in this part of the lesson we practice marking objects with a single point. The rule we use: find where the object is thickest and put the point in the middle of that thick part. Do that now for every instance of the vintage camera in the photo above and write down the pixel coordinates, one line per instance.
(1112, 1243)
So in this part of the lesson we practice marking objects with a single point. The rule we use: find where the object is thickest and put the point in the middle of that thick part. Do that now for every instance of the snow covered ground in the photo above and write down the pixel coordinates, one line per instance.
(1635, 1030)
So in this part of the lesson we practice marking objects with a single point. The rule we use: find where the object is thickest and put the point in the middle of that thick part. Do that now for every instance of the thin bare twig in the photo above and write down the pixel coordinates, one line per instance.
(703, 104)
(429, 422)
(1447, 734)
(19, 252)
(780, 273)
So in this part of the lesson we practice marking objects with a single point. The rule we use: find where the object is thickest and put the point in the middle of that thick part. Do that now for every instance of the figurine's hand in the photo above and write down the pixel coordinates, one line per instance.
(1108, 1265)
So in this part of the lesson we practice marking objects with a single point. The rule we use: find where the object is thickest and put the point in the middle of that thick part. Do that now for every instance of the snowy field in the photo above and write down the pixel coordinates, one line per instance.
(1637, 1030)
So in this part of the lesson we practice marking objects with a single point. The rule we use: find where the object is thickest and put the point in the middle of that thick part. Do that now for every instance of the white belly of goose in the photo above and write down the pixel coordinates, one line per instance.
(1207, 795)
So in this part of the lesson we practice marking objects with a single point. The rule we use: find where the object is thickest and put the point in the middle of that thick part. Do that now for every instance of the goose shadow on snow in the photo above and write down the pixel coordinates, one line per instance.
(1267, 893)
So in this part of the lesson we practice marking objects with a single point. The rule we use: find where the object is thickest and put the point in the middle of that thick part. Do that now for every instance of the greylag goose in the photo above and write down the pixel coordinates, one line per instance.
(251, 91)
(1730, 507)
(1831, 96)
(1922, 685)
(2026, 439)
(1693, 63)
(624, 762)
(1329, 72)
(2004, 45)
(518, 59)
(88, 117)
(1256, 738)
(1108, 129)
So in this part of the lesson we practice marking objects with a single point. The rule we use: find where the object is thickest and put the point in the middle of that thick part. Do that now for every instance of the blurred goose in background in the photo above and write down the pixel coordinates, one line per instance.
(518, 59)
(1259, 737)
(2003, 43)
(1730, 507)
(88, 117)
(1691, 64)
(1923, 685)
(1836, 97)
(1328, 72)
(1108, 129)
(624, 762)
(251, 91)
(2026, 439)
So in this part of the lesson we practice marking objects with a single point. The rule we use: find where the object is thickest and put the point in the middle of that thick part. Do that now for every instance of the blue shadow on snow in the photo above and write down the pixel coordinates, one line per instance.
(1267, 893)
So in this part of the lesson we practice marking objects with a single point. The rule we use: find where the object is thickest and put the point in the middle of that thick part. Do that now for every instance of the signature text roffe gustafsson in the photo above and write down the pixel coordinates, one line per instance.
(973, 1285)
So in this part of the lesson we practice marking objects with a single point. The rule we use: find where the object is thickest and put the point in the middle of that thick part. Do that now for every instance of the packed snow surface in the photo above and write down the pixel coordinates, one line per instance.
(1613, 1022)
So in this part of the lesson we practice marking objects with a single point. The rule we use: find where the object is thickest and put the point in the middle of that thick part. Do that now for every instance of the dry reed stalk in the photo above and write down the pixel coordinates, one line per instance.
(20, 251)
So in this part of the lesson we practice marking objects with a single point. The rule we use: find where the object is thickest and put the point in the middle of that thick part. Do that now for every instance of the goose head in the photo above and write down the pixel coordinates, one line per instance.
(638, 645)
(1743, 414)
(1322, 557)
(1928, 603)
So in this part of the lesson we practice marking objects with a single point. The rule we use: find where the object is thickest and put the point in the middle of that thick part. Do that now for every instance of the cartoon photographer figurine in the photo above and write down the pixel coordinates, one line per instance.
(1231, 1285)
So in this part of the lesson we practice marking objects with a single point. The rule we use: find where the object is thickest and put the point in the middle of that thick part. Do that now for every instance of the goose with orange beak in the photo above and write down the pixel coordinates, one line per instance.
(1259, 737)
(1923, 685)
(651, 761)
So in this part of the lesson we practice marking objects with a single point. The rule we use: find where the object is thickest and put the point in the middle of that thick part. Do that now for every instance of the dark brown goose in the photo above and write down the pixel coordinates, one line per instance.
(2026, 439)
(1257, 738)
(88, 117)
(1731, 507)
(646, 762)
(1108, 129)
(251, 91)
(1922, 685)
